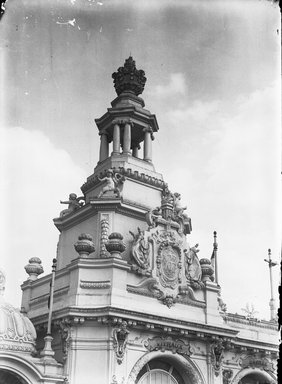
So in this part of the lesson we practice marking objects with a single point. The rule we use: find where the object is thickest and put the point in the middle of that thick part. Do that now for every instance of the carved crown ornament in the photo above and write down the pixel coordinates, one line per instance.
(129, 79)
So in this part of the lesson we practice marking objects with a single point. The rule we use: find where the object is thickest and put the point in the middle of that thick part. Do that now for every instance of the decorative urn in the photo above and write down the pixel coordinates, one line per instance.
(84, 246)
(34, 268)
(207, 270)
(115, 245)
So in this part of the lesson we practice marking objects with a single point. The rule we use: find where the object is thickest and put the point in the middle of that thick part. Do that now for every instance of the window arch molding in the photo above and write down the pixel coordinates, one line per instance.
(247, 371)
(187, 368)
(20, 367)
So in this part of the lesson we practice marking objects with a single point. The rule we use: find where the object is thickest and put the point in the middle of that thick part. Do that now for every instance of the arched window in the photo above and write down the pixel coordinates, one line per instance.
(159, 372)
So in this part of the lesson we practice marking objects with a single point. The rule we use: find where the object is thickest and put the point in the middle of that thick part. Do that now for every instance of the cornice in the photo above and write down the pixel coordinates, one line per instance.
(141, 177)
(42, 298)
(99, 263)
(140, 116)
(200, 330)
(74, 218)
(250, 344)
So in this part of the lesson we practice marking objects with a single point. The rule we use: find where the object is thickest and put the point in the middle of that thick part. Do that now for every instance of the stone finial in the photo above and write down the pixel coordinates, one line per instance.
(207, 270)
(84, 246)
(115, 245)
(34, 268)
(129, 79)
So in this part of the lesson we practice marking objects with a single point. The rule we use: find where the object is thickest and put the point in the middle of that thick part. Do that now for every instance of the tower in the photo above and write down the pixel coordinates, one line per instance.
(133, 303)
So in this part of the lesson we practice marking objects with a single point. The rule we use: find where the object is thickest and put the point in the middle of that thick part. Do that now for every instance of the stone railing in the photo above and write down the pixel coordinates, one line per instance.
(236, 318)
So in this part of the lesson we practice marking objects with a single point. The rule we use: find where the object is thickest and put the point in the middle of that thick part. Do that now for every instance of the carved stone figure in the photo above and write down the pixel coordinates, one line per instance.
(113, 184)
(167, 196)
(193, 270)
(120, 335)
(178, 208)
(217, 355)
(221, 304)
(167, 203)
(74, 203)
(140, 250)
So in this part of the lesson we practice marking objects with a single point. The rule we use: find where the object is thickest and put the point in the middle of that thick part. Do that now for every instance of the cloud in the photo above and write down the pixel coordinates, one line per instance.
(175, 86)
(227, 168)
(37, 175)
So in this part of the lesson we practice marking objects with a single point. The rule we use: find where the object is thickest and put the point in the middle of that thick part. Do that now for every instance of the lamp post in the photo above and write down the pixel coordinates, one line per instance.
(47, 352)
(272, 301)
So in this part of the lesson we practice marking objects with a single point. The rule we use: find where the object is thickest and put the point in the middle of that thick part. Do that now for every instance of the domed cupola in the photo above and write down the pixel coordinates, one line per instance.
(17, 332)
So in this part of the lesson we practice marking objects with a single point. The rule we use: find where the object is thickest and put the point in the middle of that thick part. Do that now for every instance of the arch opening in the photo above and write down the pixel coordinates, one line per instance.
(171, 367)
(254, 378)
(10, 377)
(159, 371)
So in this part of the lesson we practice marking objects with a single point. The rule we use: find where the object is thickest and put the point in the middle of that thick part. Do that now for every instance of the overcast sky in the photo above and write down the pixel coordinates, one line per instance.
(212, 69)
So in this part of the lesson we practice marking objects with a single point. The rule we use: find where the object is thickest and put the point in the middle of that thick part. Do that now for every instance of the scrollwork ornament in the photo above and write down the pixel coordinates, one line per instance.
(227, 376)
(65, 332)
(168, 344)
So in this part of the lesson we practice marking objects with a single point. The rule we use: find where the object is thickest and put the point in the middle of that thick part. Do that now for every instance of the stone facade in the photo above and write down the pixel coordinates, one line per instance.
(133, 303)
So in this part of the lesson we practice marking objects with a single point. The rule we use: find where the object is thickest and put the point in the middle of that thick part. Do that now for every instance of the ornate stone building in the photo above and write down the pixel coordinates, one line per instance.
(132, 303)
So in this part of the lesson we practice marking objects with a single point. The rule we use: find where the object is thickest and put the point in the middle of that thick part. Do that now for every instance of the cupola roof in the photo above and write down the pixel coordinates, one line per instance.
(17, 332)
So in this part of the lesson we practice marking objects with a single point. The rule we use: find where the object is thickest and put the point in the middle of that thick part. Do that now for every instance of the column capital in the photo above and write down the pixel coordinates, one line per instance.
(128, 121)
(117, 122)
(136, 145)
(121, 122)
(103, 132)
(150, 130)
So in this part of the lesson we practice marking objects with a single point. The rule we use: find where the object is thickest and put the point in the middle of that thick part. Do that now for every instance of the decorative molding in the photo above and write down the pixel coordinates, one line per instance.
(20, 348)
(162, 343)
(105, 225)
(43, 298)
(85, 284)
(256, 361)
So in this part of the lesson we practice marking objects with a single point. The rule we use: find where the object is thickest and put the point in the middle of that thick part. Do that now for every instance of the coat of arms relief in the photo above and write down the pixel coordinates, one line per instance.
(171, 269)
